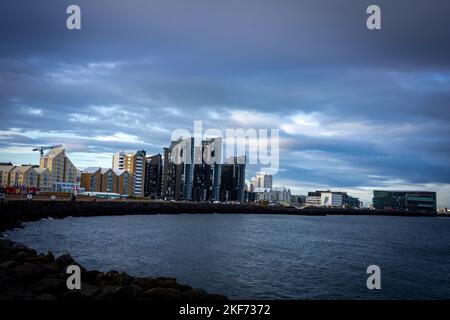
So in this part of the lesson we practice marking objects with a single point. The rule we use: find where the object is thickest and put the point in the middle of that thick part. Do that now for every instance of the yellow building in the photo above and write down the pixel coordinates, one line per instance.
(24, 176)
(59, 165)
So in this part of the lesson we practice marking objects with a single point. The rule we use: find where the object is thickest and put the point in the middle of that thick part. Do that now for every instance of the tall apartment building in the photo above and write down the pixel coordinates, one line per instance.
(60, 166)
(178, 170)
(232, 186)
(134, 162)
(207, 170)
(153, 176)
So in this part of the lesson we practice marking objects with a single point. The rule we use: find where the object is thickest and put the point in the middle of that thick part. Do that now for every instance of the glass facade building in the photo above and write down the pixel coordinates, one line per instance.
(411, 201)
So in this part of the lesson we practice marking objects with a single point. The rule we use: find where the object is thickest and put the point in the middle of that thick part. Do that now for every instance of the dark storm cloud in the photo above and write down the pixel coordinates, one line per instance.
(356, 108)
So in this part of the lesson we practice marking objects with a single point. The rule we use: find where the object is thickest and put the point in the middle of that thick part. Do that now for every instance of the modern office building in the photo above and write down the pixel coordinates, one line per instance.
(60, 166)
(331, 199)
(411, 201)
(207, 170)
(178, 170)
(313, 199)
(134, 162)
(232, 184)
(153, 176)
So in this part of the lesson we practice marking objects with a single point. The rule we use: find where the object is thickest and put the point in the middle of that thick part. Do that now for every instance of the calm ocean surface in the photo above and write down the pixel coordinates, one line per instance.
(261, 256)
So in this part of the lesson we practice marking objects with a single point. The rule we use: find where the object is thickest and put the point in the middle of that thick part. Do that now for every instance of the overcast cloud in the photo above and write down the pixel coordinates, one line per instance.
(356, 109)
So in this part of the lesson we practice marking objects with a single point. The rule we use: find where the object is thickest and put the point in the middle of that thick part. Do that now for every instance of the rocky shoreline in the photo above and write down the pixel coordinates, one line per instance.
(27, 275)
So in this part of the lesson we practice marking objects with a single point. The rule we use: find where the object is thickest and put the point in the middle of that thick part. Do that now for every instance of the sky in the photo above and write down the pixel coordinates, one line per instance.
(357, 109)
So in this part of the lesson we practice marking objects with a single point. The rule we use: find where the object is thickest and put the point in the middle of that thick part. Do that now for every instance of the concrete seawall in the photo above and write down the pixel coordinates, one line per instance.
(12, 213)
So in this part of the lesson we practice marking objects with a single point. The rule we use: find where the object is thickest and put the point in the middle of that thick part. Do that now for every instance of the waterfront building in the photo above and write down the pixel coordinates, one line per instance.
(207, 170)
(67, 187)
(331, 199)
(178, 170)
(313, 199)
(232, 184)
(5, 174)
(297, 200)
(153, 176)
(411, 201)
(23, 177)
(59, 165)
(279, 195)
(44, 179)
(124, 182)
(96, 179)
(134, 162)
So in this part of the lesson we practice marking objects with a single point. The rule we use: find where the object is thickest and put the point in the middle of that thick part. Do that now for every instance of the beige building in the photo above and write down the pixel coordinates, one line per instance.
(59, 165)
(24, 176)
(134, 162)
(5, 172)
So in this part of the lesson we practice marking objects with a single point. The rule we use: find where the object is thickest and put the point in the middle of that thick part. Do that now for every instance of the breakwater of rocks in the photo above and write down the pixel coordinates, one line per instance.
(27, 275)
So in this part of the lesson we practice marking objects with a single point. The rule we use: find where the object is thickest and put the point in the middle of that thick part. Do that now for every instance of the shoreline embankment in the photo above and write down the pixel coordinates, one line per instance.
(14, 213)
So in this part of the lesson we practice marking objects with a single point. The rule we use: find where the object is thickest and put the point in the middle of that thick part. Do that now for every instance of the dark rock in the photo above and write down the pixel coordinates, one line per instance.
(196, 295)
(28, 272)
(5, 244)
(16, 293)
(5, 280)
(46, 297)
(129, 292)
(19, 247)
(7, 264)
(107, 293)
(22, 255)
(51, 286)
(88, 291)
(65, 260)
(164, 294)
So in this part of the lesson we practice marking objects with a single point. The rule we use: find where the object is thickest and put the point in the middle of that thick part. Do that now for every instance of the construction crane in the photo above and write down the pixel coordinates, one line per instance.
(41, 149)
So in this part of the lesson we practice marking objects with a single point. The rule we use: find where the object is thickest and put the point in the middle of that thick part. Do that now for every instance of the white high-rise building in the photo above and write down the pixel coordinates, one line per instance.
(134, 162)
(263, 180)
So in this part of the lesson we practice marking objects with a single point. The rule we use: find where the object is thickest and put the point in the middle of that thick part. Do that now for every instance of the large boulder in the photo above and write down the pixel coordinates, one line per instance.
(129, 292)
(53, 286)
(65, 260)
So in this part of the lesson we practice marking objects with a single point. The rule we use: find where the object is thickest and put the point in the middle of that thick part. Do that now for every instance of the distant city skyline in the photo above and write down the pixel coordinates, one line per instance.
(357, 110)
